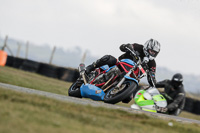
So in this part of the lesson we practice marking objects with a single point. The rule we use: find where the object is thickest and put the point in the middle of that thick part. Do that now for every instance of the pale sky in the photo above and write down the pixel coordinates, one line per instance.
(101, 26)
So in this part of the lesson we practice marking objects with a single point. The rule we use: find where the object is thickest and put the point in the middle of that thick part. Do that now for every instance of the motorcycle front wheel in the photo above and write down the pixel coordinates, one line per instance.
(115, 95)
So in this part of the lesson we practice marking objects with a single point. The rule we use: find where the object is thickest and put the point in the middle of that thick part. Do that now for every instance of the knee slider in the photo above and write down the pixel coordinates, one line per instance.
(105, 58)
(110, 60)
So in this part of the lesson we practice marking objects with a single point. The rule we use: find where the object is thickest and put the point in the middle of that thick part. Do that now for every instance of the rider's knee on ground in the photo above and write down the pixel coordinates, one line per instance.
(175, 112)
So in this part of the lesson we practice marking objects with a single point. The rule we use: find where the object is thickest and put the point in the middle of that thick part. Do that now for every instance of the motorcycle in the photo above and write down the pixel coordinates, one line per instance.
(110, 85)
(150, 100)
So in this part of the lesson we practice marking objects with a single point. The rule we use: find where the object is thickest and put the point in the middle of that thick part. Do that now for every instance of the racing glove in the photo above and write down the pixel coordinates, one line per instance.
(172, 106)
(151, 78)
(162, 110)
(123, 47)
(146, 60)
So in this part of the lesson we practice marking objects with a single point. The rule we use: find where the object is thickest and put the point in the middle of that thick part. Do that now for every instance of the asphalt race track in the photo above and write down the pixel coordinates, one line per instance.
(95, 103)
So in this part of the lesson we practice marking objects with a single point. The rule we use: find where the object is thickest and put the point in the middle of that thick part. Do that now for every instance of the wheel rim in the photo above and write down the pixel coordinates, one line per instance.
(112, 92)
(75, 87)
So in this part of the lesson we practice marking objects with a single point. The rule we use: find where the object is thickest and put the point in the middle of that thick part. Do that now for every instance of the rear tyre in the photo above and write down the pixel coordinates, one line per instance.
(74, 89)
(130, 87)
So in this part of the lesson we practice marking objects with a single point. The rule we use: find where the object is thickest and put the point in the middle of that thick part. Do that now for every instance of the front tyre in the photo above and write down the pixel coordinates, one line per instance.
(113, 96)
(74, 89)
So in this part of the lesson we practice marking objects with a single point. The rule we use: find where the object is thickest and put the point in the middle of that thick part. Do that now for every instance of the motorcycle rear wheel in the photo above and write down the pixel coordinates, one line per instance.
(74, 89)
(130, 87)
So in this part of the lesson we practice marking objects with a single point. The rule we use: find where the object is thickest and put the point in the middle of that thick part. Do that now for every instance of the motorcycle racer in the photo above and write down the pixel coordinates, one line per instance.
(174, 94)
(146, 52)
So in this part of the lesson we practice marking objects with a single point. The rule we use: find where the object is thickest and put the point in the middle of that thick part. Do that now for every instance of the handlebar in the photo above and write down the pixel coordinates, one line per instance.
(133, 52)
(139, 63)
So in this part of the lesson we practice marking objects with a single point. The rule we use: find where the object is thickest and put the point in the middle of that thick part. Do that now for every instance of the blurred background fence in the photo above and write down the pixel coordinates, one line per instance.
(62, 73)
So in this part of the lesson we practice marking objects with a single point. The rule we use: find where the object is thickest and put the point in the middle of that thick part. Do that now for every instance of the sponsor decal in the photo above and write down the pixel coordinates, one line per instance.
(98, 91)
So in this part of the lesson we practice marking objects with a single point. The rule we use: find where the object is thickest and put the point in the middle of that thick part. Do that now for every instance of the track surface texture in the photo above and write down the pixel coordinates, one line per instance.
(95, 103)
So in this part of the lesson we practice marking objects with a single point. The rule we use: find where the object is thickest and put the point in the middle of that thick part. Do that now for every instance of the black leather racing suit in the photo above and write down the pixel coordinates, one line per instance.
(175, 96)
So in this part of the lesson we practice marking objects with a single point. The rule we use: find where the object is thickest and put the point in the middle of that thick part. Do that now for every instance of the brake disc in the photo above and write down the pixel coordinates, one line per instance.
(116, 90)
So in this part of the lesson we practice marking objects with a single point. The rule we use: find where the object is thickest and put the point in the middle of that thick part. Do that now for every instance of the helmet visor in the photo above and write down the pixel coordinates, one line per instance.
(152, 53)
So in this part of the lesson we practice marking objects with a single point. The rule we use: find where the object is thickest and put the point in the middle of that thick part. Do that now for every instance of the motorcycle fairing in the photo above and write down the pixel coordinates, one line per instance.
(105, 67)
(127, 64)
(130, 62)
(157, 97)
(140, 100)
(160, 101)
(93, 92)
(127, 77)
(146, 105)
(110, 68)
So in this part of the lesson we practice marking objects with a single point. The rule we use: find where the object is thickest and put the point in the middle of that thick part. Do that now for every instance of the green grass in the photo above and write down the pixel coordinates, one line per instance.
(26, 113)
(35, 81)
(189, 115)
(32, 80)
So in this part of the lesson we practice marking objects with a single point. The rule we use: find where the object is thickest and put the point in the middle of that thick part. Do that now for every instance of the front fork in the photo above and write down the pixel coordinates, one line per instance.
(123, 79)
(129, 73)
(82, 70)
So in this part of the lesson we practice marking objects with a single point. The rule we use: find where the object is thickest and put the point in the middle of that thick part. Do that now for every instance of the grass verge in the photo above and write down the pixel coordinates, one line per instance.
(24, 113)
(32, 80)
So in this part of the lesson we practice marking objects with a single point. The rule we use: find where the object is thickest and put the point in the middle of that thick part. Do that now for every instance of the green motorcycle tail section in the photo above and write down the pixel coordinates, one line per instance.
(140, 101)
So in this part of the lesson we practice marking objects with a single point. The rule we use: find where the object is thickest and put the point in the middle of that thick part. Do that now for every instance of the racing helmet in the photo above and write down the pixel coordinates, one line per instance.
(177, 79)
(151, 48)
